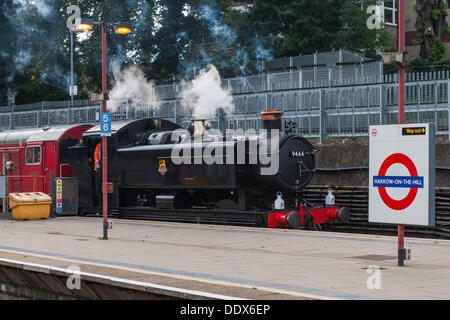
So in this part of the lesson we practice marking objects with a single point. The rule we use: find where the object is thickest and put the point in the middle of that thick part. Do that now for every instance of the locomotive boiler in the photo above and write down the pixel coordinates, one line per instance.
(160, 171)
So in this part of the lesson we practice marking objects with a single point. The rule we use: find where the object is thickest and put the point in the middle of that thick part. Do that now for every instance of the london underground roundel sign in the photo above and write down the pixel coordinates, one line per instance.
(401, 187)
(413, 182)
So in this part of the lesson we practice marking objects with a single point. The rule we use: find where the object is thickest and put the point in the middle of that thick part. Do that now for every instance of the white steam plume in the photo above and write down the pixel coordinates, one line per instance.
(11, 95)
(204, 95)
(42, 6)
(131, 84)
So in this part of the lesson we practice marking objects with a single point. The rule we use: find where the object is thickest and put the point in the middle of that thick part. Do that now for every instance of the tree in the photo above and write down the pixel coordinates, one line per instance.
(170, 40)
(6, 54)
(431, 25)
(355, 33)
(302, 26)
(35, 63)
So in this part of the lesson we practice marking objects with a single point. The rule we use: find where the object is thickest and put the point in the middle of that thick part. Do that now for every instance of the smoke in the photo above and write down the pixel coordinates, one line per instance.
(228, 51)
(42, 6)
(22, 59)
(11, 96)
(31, 22)
(218, 29)
(115, 67)
(132, 85)
(204, 95)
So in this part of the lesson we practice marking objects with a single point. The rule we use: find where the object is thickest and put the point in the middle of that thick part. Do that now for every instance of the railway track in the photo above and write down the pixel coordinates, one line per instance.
(357, 200)
(354, 197)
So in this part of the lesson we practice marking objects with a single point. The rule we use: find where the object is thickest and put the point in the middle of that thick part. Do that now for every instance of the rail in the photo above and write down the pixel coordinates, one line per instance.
(356, 198)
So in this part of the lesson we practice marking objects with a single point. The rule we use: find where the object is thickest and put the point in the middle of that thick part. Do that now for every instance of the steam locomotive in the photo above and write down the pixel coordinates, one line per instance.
(159, 171)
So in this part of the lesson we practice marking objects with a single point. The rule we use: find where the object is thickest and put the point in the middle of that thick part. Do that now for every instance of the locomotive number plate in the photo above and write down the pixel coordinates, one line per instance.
(297, 154)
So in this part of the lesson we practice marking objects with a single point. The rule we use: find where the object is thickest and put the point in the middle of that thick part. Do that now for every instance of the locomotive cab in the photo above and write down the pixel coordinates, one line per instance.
(124, 134)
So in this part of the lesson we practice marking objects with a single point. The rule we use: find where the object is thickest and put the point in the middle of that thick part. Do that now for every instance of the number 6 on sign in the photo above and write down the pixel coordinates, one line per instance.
(105, 125)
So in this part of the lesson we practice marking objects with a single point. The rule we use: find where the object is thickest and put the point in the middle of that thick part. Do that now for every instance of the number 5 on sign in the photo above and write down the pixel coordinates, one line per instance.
(105, 124)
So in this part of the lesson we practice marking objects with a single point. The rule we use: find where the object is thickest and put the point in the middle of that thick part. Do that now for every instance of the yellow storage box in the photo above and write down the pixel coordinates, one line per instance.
(30, 206)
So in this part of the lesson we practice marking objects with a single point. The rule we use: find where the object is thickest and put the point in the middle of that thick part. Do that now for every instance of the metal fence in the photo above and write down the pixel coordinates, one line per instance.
(337, 100)
(350, 110)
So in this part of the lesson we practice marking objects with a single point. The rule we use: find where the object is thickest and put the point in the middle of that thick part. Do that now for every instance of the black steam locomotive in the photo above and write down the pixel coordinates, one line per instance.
(158, 171)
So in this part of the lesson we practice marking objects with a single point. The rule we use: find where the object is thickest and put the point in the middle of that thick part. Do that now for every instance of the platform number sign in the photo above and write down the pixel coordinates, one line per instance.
(401, 174)
(105, 124)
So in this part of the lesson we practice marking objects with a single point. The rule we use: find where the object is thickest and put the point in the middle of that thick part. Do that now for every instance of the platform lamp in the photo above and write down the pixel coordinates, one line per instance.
(84, 24)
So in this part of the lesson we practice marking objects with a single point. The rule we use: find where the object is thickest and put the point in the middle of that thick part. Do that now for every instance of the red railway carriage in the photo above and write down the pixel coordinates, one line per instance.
(33, 154)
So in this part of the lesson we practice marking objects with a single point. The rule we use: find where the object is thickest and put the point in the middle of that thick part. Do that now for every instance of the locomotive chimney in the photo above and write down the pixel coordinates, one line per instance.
(271, 119)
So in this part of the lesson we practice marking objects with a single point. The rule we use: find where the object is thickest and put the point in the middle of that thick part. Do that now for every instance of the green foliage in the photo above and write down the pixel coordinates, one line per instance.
(435, 10)
(166, 41)
(311, 25)
(419, 65)
(435, 13)
(390, 68)
(438, 51)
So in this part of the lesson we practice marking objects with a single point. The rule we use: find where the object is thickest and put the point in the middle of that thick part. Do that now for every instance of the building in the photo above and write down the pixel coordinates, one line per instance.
(241, 6)
(390, 18)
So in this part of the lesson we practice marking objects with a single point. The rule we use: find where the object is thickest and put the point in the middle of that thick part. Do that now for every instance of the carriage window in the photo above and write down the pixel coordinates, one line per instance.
(33, 155)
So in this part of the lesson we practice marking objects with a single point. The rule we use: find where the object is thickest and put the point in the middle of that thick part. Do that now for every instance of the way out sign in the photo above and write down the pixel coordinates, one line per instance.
(401, 174)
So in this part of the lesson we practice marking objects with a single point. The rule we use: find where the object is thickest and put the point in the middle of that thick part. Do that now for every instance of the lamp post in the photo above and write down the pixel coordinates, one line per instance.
(72, 87)
(84, 24)
(71, 67)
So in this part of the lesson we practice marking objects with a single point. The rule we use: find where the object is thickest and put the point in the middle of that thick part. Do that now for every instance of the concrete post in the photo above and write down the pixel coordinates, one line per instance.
(448, 107)
(322, 117)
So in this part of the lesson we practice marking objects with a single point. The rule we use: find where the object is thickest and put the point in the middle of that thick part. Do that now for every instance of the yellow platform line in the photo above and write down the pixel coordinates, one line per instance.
(215, 282)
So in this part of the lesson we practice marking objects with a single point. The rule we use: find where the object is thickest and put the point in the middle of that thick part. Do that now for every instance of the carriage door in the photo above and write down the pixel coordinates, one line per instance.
(14, 183)
(50, 164)
(33, 170)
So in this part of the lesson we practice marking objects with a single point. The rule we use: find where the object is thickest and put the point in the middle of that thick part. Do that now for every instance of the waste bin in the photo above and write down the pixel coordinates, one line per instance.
(30, 206)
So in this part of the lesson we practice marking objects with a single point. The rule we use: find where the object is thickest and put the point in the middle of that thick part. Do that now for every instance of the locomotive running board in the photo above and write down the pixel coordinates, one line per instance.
(199, 216)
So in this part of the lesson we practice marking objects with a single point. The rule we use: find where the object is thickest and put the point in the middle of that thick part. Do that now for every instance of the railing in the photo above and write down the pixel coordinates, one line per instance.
(18, 184)
(318, 111)
(349, 110)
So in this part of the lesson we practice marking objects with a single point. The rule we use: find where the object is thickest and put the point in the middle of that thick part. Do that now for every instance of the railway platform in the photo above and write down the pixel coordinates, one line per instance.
(224, 262)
